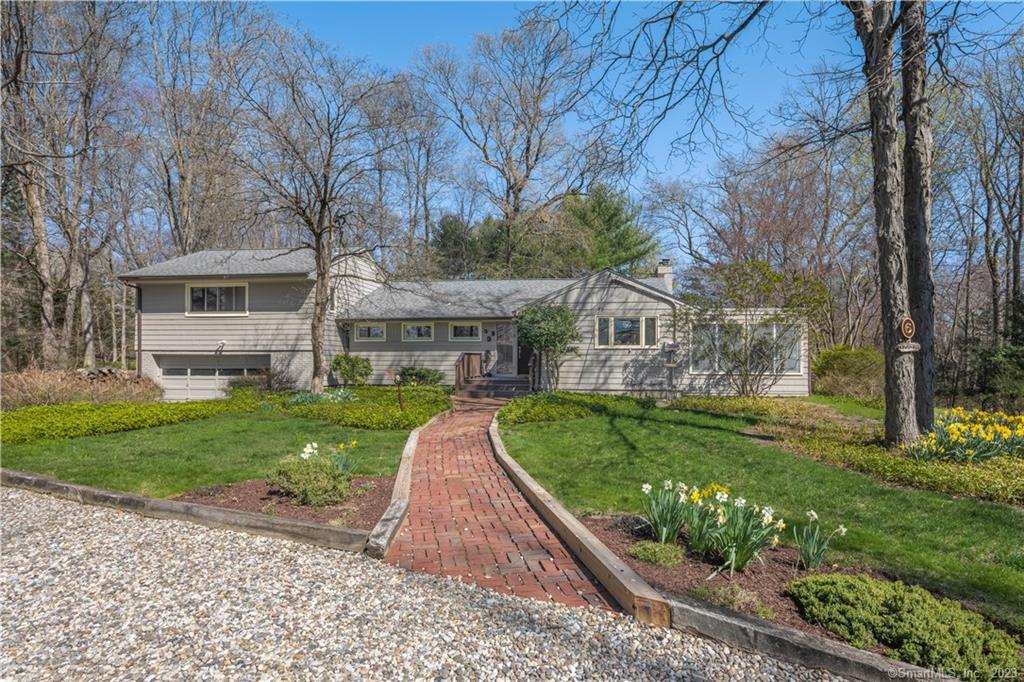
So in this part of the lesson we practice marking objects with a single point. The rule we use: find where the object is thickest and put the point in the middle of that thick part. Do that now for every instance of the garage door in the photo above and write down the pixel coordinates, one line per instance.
(200, 377)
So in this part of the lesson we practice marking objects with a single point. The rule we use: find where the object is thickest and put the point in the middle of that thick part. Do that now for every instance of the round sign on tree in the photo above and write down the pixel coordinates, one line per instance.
(907, 329)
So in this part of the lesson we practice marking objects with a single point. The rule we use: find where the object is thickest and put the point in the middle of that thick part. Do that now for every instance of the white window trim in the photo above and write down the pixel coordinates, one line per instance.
(704, 372)
(189, 286)
(418, 324)
(355, 332)
(611, 332)
(471, 339)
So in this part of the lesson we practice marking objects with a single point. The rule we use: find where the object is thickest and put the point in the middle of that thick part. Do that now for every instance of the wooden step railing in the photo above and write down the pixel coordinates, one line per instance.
(468, 366)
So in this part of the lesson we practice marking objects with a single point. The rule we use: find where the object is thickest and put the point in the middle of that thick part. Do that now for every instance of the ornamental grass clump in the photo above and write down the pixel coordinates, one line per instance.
(971, 436)
(315, 478)
(812, 542)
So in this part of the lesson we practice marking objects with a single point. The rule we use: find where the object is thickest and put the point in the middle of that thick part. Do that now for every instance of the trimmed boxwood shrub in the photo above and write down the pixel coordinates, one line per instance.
(557, 406)
(88, 419)
(352, 369)
(420, 376)
(909, 624)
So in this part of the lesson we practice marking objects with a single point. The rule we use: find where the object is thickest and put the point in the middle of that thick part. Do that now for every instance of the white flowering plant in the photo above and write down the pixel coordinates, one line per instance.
(313, 477)
(813, 543)
(664, 511)
(744, 531)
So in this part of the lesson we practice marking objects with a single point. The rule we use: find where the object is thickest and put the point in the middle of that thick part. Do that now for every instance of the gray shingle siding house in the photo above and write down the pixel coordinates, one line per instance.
(211, 316)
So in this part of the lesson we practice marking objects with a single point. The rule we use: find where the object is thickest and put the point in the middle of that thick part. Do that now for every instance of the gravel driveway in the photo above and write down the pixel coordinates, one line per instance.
(93, 593)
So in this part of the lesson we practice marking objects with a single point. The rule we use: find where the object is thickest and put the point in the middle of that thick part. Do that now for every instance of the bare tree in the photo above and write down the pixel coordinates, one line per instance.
(192, 118)
(309, 150)
(510, 103)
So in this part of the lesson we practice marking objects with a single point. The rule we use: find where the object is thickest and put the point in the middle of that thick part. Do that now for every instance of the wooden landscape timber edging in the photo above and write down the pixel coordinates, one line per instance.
(383, 534)
(648, 605)
(335, 537)
(627, 588)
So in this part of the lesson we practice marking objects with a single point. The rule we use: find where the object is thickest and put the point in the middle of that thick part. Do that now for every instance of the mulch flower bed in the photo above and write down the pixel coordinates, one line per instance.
(370, 497)
(767, 580)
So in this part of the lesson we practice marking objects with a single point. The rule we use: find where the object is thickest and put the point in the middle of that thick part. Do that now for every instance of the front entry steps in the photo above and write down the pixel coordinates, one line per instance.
(494, 387)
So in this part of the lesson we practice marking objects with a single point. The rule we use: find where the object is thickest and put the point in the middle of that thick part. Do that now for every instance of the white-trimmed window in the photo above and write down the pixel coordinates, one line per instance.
(464, 331)
(767, 342)
(627, 332)
(417, 331)
(371, 332)
(217, 299)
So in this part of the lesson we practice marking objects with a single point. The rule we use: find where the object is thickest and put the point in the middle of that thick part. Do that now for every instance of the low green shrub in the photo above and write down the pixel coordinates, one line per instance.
(352, 369)
(377, 407)
(313, 478)
(909, 623)
(854, 372)
(87, 419)
(557, 406)
(657, 553)
(420, 376)
(734, 597)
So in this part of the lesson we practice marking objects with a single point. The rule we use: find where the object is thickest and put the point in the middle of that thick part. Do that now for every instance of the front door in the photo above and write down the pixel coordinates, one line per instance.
(505, 334)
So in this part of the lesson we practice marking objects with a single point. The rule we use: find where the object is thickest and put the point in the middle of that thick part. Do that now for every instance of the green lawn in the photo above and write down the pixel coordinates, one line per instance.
(168, 460)
(848, 407)
(960, 547)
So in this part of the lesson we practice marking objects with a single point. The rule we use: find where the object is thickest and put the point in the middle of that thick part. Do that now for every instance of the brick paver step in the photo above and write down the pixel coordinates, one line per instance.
(467, 519)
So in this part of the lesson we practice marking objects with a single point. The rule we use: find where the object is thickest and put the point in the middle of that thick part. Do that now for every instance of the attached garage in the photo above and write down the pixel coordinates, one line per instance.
(201, 377)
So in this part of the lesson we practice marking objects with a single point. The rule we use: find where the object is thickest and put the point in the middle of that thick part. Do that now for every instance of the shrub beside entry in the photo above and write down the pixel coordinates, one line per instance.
(420, 376)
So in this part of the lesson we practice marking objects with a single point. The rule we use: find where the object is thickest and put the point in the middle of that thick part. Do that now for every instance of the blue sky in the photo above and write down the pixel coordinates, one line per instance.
(391, 34)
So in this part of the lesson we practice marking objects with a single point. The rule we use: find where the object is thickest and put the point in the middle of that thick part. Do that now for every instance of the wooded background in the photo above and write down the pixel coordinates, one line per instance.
(134, 133)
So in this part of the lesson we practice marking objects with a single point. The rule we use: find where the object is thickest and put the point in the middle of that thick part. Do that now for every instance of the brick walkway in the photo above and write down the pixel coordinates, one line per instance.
(466, 519)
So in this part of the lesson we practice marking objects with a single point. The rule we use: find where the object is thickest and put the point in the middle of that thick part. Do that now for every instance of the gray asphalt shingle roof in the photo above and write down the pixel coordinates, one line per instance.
(231, 262)
(481, 298)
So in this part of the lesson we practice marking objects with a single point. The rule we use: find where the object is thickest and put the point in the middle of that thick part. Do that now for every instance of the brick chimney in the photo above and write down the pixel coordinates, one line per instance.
(664, 272)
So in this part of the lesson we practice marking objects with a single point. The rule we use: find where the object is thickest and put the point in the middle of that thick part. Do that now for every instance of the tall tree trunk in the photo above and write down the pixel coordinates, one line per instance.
(88, 321)
(49, 348)
(321, 291)
(873, 22)
(917, 204)
(992, 264)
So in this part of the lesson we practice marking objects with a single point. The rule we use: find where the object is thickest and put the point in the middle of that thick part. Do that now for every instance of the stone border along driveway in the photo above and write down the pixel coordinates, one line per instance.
(466, 519)
(93, 593)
